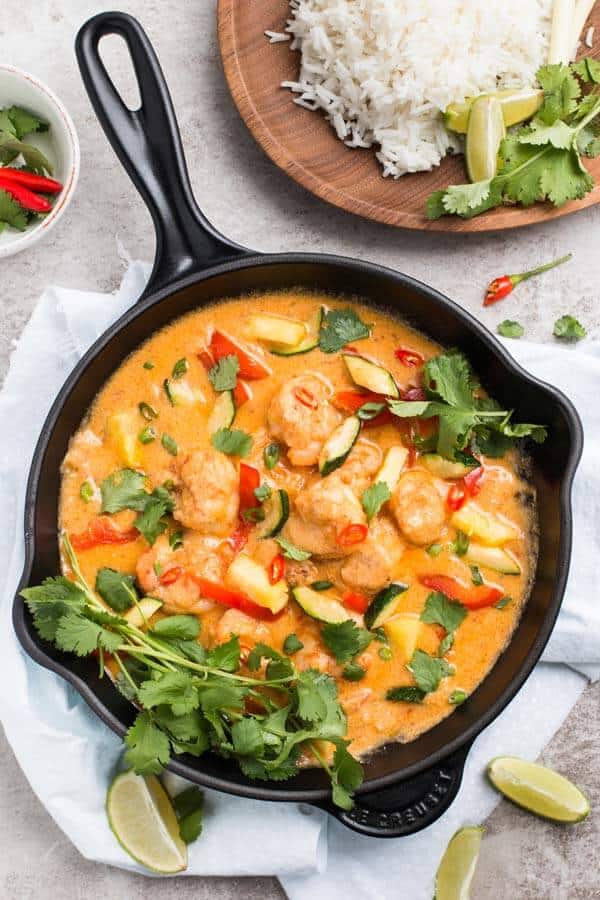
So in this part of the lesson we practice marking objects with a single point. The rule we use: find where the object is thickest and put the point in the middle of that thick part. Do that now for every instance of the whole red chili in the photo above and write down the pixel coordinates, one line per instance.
(24, 197)
(276, 569)
(34, 182)
(409, 358)
(306, 397)
(456, 497)
(352, 534)
(505, 284)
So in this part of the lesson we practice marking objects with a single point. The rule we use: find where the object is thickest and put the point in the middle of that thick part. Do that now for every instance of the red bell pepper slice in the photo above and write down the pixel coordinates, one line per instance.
(357, 602)
(233, 599)
(276, 568)
(409, 358)
(102, 531)
(351, 401)
(250, 366)
(242, 392)
(456, 497)
(473, 597)
(249, 481)
(355, 533)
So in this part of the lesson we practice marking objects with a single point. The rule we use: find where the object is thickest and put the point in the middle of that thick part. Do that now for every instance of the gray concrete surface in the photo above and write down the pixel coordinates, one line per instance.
(254, 203)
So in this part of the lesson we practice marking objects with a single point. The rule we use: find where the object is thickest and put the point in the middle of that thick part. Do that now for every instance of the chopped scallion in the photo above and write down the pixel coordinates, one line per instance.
(180, 368)
(147, 435)
(147, 412)
(169, 444)
(86, 492)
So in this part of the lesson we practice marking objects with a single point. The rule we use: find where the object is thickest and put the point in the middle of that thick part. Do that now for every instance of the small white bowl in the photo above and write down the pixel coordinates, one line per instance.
(59, 144)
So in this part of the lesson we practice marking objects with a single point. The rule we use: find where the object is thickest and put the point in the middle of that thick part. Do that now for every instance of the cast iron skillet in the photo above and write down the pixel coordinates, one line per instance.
(407, 787)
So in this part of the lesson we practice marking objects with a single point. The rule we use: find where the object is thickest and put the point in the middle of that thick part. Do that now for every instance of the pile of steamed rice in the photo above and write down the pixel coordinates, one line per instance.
(383, 70)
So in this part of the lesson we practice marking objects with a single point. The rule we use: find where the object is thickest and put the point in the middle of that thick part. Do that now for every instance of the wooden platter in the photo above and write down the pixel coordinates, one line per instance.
(304, 145)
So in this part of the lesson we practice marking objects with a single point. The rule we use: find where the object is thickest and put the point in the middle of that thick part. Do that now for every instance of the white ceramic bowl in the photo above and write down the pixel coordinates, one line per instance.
(59, 144)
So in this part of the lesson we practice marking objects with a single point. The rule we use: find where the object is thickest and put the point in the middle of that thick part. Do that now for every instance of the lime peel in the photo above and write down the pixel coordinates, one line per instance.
(457, 866)
(538, 789)
(142, 818)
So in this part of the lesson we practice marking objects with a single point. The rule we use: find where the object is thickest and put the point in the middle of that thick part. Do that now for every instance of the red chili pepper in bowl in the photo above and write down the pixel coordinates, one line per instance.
(409, 358)
(355, 533)
(38, 183)
(501, 287)
(24, 197)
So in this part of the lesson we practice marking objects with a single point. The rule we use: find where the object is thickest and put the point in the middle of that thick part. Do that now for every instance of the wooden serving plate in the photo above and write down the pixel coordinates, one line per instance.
(304, 145)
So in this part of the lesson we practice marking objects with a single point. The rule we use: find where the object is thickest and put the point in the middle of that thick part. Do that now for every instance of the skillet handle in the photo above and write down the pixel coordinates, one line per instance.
(148, 144)
(409, 806)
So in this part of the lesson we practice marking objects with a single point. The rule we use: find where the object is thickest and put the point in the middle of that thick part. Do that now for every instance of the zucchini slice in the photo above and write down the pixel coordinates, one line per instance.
(313, 329)
(246, 575)
(223, 412)
(475, 522)
(181, 393)
(276, 510)
(403, 633)
(338, 445)
(370, 375)
(320, 606)
(275, 330)
(446, 468)
(139, 614)
(391, 469)
(384, 604)
(492, 558)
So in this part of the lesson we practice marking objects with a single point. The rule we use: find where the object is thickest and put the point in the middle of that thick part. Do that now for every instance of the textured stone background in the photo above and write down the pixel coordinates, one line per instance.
(246, 197)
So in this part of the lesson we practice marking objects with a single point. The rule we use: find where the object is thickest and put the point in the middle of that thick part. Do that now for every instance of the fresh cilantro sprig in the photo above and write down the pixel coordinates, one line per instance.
(340, 327)
(568, 328)
(125, 489)
(374, 497)
(453, 396)
(542, 161)
(232, 442)
(190, 700)
(223, 375)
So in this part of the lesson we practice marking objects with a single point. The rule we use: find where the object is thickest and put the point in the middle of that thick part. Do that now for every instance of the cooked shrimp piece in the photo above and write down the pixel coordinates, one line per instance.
(371, 567)
(363, 462)
(322, 512)
(300, 415)
(299, 573)
(209, 497)
(197, 557)
(250, 631)
(418, 507)
(282, 475)
(313, 656)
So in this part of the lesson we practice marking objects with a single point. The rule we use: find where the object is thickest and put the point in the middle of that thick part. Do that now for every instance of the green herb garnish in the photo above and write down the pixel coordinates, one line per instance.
(232, 441)
(223, 375)
(461, 543)
(476, 576)
(86, 491)
(374, 497)
(116, 589)
(124, 489)
(353, 672)
(510, 329)
(439, 610)
(406, 694)
(385, 653)
(147, 412)
(290, 551)
(263, 492)
(176, 540)
(180, 368)
(428, 670)
(340, 327)
(147, 435)
(568, 328)
(323, 585)
(169, 444)
(457, 697)
(189, 807)
(271, 455)
(345, 639)
(292, 644)
(434, 549)
(148, 364)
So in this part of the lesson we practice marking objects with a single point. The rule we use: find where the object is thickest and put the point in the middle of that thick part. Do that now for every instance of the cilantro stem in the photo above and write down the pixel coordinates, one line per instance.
(125, 673)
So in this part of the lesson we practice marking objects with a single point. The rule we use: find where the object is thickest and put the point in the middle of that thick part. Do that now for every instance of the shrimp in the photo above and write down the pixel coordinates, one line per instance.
(249, 631)
(364, 460)
(209, 497)
(197, 557)
(300, 415)
(322, 512)
(418, 508)
(313, 656)
(370, 568)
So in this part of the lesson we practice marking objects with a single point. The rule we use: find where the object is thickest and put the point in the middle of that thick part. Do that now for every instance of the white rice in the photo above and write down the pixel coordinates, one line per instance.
(382, 70)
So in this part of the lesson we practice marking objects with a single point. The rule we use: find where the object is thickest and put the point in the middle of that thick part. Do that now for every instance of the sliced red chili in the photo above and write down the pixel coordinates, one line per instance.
(473, 481)
(356, 602)
(409, 358)
(276, 568)
(171, 575)
(239, 538)
(456, 497)
(471, 596)
(306, 397)
(355, 533)
(102, 531)
(249, 481)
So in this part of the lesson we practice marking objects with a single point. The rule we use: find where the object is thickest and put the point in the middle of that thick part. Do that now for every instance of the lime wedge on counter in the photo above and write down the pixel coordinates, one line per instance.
(455, 872)
(517, 106)
(540, 790)
(143, 820)
(484, 134)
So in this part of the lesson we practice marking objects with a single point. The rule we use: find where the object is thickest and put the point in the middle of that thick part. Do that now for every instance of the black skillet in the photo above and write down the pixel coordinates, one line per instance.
(407, 787)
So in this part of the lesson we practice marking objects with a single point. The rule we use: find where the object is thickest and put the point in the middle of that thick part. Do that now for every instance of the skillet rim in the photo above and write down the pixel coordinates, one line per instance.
(481, 334)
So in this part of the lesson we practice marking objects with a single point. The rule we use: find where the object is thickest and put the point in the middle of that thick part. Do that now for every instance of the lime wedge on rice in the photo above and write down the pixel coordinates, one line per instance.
(455, 871)
(517, 106)
(484, 134)
(540, 790)
(143, 820)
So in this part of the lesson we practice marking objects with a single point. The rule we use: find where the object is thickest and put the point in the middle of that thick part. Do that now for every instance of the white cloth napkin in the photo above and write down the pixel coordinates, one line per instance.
(69, 756)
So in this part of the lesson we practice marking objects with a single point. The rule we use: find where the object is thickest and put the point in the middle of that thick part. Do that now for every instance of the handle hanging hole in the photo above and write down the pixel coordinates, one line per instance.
(115, 55)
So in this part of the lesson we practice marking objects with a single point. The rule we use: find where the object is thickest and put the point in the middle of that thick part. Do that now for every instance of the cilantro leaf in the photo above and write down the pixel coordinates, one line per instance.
(123, 489)
(340, 327)
(24, 122)
(247, 738)
(11, 213)
(406, 694)
(588, 70)
(290, 551)
(292, 644)
(568, 328)
(11, 147)
(182, 628)
(222, 696)
(151, 522)
(190, 728)
(374, 497)
(232, 441)
(428, 670)
(263, 492)
(173, 689)
(345, 639)
(561, 92)
(76, 633)
(116, 589)
(223, 375)
(148, 747)
(476, 576)
(346, 775)
(439, 610)
(50, 601)
(189, 807)
(559, 134)
(510, 329)
(460, 544)
(226, 656)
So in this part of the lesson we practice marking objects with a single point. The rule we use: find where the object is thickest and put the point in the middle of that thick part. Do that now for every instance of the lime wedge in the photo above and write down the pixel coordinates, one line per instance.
(517, 106)
(484, 134)
(455, 872)
(540, 790)
(143, 820)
